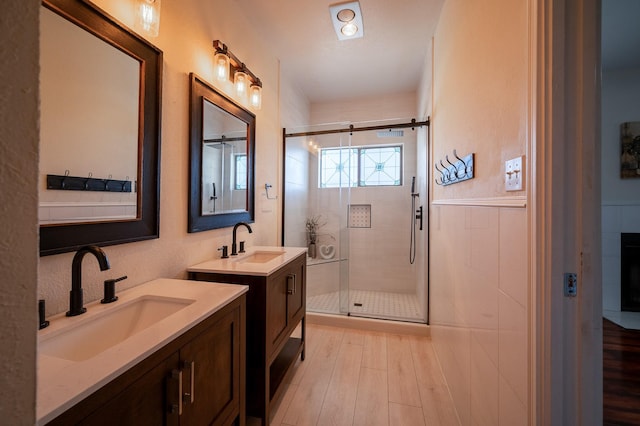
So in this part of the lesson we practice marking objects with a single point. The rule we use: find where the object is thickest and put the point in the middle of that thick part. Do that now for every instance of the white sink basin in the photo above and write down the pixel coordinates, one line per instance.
(87, 339)
(260, 256)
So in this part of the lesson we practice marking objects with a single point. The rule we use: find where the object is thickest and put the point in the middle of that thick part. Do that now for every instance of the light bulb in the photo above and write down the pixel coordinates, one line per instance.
(255, 96)
(240, 81)
(149, 16)
(349, 29)
(221, 64)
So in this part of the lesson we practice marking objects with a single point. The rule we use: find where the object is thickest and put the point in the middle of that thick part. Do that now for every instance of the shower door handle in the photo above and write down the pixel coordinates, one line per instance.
(291, 279)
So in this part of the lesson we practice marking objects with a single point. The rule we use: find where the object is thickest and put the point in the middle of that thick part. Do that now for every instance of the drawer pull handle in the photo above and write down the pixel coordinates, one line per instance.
(291, 289)
(190, 396)
(177, 375)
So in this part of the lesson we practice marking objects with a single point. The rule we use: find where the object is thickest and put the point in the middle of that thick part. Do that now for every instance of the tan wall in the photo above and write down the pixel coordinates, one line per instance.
(478, 232)
(18, 209)
(187, 29)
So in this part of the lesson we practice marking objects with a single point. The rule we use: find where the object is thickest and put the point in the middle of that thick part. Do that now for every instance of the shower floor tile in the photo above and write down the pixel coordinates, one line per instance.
(374, 304)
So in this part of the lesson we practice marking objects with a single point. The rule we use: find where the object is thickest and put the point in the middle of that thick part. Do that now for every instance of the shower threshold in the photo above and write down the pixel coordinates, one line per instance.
(369, 304)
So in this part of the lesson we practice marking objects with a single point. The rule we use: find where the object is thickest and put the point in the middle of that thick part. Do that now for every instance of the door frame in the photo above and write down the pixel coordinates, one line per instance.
(564, 221)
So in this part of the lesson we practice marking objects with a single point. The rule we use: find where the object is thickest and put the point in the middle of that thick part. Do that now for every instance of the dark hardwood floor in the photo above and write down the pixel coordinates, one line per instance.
(621, 375)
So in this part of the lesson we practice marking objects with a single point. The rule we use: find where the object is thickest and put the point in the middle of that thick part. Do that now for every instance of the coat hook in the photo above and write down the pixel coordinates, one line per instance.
(446, 173)
(86, 182)
(441, 173)
(463, 163)
(454, 168)
(63, 183)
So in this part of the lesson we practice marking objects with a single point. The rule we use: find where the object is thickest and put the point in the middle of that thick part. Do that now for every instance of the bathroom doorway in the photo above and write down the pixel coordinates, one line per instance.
(349, 196)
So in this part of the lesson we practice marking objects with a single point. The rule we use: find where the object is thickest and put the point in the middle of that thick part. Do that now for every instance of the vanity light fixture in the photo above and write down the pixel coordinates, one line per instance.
(148, 16)
(247, 86)
(347, 20)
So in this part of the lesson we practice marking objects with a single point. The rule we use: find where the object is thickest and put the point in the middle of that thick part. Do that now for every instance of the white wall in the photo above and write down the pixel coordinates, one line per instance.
(479, 297)
(620, 197)
(18, 209)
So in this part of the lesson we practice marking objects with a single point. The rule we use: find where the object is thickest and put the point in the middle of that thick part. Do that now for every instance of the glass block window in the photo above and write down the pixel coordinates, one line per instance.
(240, 172)
(361, 166)
(380, 166)
(338, 167)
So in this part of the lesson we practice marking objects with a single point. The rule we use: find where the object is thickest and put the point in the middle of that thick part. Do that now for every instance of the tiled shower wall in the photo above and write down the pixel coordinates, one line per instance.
(377, 246)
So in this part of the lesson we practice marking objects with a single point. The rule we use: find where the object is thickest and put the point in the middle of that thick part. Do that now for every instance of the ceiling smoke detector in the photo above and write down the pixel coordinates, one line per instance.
(347, 20)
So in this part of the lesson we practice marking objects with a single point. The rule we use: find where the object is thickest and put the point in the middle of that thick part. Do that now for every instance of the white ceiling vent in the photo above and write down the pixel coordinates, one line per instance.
(390, 133)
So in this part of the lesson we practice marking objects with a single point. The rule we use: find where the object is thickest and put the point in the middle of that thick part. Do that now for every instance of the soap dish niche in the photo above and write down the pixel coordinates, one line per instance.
(360, 216)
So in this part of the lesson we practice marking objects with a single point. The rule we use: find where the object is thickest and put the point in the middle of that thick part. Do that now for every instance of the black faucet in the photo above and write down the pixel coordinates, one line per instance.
(234, 248)
(76, 305)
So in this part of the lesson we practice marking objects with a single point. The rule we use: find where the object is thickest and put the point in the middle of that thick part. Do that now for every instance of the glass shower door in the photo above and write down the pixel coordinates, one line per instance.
(316, 196)
(350, 196)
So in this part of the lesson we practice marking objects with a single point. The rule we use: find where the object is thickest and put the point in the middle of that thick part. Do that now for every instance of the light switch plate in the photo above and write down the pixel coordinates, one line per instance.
(514, 174)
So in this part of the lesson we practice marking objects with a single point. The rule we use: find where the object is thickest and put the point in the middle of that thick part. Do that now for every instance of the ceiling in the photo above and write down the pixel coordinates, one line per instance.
(390, 58)
(620, 34)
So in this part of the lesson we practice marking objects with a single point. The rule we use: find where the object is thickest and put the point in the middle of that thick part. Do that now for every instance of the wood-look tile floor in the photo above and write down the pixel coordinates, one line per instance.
(365, 378)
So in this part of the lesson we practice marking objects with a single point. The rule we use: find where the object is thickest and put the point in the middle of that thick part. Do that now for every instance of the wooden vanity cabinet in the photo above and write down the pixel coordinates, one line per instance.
(276, 304)
(206, 363)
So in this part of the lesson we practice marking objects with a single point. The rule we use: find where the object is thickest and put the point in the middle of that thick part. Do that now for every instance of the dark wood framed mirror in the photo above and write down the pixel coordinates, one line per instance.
(222, 156)
(144, 153)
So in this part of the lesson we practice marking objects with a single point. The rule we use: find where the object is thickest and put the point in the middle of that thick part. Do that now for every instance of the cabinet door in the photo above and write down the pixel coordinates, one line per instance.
(211, 368)
(285, 303)
(277, 308)
(296, 291)
(145, 401)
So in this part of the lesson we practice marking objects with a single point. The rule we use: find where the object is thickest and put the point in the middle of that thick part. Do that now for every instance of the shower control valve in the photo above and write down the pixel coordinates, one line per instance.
(419, 215)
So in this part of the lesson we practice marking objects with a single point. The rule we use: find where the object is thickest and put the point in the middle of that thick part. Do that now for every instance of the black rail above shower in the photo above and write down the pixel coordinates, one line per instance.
(413, 124)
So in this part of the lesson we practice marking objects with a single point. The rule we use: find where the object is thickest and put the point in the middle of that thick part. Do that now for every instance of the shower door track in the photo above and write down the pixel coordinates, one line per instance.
(413, 124)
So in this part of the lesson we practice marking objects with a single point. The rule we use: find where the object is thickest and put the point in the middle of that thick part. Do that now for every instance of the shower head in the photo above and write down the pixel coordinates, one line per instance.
(413, 185)
(390, 133)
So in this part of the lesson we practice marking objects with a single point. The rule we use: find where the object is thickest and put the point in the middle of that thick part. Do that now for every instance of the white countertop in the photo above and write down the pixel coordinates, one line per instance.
(63, 383)
(235, 264)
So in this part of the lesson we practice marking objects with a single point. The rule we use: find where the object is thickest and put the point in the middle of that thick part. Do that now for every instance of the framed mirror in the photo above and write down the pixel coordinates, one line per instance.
(100, 130)
(222, 147)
